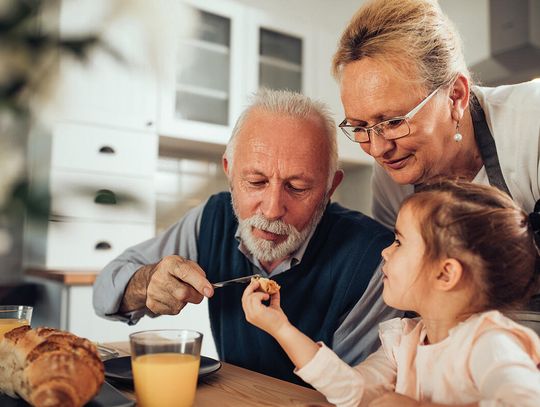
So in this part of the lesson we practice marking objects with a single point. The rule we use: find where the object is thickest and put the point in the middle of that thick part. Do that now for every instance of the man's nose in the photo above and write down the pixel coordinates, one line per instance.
(273, 205)
(379, 145)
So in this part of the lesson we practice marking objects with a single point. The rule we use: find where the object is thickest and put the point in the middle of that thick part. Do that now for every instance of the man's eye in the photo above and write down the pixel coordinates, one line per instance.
(296, 189)
(256, 183)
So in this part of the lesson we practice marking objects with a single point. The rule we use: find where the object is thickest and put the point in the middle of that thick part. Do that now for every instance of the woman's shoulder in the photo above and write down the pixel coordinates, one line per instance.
(526, 95)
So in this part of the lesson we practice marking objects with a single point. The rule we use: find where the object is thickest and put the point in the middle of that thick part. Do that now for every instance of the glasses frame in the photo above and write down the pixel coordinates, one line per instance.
(375, 128)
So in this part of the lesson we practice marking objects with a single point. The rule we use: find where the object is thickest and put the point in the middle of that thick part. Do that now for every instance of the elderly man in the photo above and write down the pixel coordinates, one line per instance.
(281, 163)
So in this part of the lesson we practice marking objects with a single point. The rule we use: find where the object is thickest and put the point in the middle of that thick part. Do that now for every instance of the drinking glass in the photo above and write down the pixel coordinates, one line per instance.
(13, 316)
(165, 366)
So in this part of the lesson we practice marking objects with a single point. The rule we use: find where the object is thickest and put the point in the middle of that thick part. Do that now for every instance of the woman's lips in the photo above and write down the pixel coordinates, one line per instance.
(397, 164)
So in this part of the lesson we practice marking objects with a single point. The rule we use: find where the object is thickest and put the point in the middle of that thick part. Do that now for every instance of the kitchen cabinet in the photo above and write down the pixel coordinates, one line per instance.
(203, 88)
(100, 183)
(118, 88)
(232, 51)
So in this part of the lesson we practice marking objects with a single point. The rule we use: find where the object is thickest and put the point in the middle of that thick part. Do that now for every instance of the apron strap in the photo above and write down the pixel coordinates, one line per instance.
(487, 147)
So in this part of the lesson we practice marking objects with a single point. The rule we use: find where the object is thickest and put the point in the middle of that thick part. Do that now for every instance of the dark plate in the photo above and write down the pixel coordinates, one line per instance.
(120, 368)
(108, 397)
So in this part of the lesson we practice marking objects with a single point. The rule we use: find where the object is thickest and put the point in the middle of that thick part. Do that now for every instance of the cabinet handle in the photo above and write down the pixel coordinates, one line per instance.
(107, 150)
(103, 246)
(149, 123)
(105, 197)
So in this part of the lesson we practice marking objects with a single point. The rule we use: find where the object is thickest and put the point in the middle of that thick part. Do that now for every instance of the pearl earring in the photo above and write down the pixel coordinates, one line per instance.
(458, 137)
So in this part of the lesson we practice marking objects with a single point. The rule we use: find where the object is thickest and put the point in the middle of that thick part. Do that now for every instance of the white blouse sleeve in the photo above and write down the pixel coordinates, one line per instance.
(346, 386)
(505, 374)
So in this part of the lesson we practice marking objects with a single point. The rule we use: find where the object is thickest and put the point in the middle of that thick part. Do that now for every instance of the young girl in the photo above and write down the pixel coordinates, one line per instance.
(462, 252)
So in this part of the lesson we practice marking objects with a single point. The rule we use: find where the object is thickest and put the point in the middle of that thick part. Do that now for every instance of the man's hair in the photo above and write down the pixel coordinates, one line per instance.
(487, 232)
(291, 104)
(404, 33)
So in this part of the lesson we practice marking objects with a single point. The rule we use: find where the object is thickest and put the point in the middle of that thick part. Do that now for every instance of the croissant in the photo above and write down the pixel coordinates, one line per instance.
(48, 367)
(267, 285)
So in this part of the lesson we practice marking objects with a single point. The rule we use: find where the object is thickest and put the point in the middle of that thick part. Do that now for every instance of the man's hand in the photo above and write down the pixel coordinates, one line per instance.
(166, 287)
(269, 318)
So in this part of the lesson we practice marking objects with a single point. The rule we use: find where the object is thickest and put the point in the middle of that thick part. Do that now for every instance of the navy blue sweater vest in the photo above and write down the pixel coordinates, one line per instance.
(316, 294)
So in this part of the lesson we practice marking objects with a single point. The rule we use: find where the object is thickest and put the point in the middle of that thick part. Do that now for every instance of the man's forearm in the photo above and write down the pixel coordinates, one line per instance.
(135, 294)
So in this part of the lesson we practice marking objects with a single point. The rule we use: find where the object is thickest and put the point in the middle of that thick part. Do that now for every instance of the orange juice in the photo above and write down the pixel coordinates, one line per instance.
(7, 324)
(165, 379)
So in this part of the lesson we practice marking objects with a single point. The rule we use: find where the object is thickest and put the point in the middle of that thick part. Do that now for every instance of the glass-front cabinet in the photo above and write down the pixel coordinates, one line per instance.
(231, 51)
(280, 60)
(202, 93)
(203, 79)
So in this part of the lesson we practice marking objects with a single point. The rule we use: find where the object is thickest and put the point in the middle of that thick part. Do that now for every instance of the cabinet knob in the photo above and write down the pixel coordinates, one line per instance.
(105, 197)
(149, 123)
(103, 246)
(107, 150)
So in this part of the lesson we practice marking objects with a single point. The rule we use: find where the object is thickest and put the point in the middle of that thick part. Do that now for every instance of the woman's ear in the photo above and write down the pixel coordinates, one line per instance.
(449, 274)
(459, 95)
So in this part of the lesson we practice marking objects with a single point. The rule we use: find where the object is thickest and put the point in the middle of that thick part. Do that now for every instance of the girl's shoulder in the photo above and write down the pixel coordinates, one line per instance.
(484, 323)
(398, 332)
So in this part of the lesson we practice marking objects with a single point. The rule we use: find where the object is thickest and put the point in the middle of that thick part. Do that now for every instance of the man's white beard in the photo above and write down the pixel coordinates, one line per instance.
(267, 250)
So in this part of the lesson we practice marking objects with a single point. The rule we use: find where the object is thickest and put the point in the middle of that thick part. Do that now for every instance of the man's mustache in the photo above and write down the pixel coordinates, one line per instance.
(277, 227)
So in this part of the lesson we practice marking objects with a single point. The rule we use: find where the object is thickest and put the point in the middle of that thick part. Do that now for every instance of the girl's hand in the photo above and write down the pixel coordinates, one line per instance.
(269, 318)
(392, 399)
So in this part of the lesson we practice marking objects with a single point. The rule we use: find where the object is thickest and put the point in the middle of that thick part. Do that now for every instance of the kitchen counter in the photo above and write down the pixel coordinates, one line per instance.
(66, 277)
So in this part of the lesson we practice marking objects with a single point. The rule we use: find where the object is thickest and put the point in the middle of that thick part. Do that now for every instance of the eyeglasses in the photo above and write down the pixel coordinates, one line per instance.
(390, 129)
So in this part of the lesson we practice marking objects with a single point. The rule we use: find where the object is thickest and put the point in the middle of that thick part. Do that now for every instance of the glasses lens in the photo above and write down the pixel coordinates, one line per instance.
(393, 129)
(356, 134)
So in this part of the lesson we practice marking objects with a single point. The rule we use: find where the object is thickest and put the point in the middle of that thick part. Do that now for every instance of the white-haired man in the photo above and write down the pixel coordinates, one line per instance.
(277, 220)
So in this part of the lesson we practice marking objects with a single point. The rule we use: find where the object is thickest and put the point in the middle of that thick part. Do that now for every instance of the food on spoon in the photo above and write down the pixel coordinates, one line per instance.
(267, 285)
(49, 367)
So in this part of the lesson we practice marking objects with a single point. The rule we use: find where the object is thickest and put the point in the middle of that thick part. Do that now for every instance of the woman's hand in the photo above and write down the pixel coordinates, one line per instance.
(392, 399)
(269, 318)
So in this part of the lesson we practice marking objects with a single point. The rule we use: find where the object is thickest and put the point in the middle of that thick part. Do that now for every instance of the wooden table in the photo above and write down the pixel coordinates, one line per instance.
(233, 386)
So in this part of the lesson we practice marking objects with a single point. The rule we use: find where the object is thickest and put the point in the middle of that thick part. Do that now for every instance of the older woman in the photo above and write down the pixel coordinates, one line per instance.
(409, 102)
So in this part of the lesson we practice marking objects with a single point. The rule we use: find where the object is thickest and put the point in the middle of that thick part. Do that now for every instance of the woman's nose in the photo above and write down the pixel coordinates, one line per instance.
(379, 145)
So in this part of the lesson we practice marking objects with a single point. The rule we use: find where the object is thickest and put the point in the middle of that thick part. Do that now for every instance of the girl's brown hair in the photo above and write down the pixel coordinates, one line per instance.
(404, 33)
(486, 231)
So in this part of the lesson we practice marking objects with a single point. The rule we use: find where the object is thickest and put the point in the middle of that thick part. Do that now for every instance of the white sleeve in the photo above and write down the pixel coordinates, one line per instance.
(346, 386)
(505, 374)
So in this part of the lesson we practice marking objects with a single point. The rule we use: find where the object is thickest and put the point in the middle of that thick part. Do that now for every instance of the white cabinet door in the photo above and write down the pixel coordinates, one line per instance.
(202, 93)
(105, 90)
(281, 53)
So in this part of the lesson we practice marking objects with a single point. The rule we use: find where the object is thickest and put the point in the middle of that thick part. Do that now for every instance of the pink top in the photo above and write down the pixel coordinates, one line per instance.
(488, 359)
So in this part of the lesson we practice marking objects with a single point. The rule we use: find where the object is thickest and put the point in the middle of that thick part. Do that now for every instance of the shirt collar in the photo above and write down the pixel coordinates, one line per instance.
(291, 261)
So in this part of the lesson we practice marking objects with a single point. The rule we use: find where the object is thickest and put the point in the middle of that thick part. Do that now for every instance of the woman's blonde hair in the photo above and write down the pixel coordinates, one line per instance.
(404, 33)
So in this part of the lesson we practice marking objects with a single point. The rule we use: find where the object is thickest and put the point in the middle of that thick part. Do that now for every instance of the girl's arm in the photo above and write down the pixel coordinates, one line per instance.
(316, 364)
(271, 319)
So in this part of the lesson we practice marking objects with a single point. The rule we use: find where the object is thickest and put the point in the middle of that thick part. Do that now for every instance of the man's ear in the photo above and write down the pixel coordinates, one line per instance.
(225, 164)
(338, 177)
(459, 94)
(449, 274)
